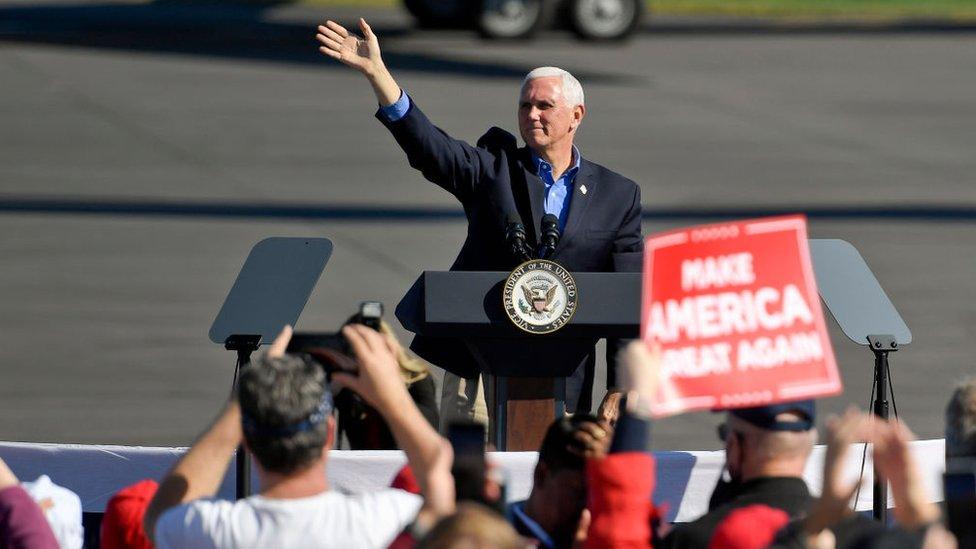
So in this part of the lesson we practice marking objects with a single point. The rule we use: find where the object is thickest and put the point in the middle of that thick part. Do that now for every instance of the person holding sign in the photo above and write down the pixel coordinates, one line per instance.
(596, 211)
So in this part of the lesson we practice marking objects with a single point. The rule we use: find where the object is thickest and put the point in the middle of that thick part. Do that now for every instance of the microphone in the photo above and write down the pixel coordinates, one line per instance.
(515, 237)
(550, 235)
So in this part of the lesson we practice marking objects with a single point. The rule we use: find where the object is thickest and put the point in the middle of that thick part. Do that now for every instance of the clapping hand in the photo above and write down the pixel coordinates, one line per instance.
(893, 459)
(834, 503)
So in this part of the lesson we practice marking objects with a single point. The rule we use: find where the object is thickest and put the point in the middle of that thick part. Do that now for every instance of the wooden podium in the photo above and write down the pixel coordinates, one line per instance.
(525, 372)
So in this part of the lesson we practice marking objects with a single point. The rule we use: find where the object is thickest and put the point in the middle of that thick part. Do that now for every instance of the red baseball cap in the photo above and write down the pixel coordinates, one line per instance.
(751, 527)
(122, 523)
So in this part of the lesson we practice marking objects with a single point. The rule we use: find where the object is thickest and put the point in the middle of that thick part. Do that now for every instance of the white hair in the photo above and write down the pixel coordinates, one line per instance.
(572, 89)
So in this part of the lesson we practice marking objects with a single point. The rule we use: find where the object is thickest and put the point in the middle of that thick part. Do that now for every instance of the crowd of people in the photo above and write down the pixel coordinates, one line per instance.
(595, 475)
(592, 484)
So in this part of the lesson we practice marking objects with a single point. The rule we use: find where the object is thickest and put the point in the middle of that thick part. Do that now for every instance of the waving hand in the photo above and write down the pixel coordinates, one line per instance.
(362, 54)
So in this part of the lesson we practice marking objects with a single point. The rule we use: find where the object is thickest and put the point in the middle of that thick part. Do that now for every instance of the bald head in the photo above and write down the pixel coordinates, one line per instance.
(754, 452)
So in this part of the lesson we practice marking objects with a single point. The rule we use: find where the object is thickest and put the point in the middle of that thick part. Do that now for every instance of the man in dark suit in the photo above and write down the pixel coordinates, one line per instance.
(598, 211)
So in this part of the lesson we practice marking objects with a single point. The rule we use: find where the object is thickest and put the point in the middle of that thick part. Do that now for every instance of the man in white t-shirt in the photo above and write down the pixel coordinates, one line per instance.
(283, 414)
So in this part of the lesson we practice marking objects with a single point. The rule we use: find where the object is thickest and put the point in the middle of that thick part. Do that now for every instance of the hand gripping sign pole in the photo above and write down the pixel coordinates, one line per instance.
(862, 309)
(270, 292)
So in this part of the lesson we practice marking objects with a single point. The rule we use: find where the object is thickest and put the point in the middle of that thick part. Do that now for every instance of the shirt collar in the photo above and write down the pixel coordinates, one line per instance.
(543, 537)
(538, 162)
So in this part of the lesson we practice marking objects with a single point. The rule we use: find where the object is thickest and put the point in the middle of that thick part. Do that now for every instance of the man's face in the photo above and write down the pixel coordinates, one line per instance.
(545, 119)
(565, 491)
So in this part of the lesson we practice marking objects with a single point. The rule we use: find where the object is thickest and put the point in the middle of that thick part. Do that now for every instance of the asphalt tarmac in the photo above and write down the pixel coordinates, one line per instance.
(143, 153)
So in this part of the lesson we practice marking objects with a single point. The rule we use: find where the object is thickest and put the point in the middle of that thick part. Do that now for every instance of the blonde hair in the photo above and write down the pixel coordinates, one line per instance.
(473, 526)
(412, 367)
(960, 421)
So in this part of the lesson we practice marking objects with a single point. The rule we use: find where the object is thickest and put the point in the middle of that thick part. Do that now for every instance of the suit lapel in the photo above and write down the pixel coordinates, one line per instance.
(578, 202)
(532, 188)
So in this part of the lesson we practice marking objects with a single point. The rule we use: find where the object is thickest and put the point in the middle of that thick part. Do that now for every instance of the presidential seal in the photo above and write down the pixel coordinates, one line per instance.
(540, 296)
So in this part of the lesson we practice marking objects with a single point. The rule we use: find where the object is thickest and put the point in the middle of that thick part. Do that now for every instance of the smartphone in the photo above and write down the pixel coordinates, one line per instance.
(370, 314)
(469, 468)
(959, 489)
(330, 350)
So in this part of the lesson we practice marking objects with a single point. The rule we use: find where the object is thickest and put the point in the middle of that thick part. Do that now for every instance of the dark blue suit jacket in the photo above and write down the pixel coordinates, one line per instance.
(603, 228)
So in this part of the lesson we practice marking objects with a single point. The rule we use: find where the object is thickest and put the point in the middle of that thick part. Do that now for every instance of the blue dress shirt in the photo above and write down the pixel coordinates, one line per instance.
(397, 110)
(558, 193)
(525, 526)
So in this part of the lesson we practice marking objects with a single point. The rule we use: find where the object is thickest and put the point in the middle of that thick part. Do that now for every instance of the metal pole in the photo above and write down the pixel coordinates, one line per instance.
(500, 404)
(244, 345)
(243, 462)
(881, 410)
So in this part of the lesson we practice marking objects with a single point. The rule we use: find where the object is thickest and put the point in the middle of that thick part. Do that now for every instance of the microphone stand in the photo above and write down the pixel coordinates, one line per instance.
(550, 236)
(515, 237)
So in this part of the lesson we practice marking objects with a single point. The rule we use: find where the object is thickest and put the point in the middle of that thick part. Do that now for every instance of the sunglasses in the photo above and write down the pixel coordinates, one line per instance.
(723, 431)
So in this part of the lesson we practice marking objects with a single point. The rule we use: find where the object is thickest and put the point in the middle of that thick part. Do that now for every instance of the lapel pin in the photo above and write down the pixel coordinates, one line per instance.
(583, 189)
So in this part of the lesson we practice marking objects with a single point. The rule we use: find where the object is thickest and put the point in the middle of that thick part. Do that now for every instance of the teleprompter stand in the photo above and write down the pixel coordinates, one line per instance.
(863, 311)
(270, 292)
(244, 345)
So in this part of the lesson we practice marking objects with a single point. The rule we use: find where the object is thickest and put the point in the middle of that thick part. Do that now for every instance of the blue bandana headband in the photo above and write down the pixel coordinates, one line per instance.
(318, 415)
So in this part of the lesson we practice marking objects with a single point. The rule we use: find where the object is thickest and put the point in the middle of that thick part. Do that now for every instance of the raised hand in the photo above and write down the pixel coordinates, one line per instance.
(893, 458)
(582, 529)
(592, 440)
(834, 503)
(362, 54)
(278, 346)
(640, 373)
(440, 499)
(609, 410)
(379, 380)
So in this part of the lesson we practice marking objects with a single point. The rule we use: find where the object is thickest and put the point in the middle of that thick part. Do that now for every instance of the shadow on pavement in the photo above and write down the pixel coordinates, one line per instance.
(111, 206)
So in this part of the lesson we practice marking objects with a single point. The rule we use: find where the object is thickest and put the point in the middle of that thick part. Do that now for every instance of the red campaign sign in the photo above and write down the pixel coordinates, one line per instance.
(735, 309)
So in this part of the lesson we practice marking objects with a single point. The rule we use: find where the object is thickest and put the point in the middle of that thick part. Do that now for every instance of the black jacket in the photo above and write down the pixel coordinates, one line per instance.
(603, 227)
(787, 493)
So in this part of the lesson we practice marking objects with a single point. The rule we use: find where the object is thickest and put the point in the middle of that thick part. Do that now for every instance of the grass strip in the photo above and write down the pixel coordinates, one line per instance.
(833, 9)
(786, 9)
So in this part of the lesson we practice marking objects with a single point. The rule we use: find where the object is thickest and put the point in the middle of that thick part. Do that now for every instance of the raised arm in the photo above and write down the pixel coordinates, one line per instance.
(380, 384)
(451, 163)
(200, 471)
(362, 54)
(620, 483)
